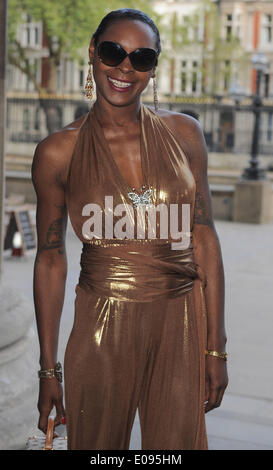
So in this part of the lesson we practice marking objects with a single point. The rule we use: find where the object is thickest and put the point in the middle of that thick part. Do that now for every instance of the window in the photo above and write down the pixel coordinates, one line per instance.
(189, 77)
(194, 77)
(36, 68)
(184, 76)
(226, 75)
(81, 78)
(267, 29)
(28, 36)
(183, 81)
(59, 78)
(37, 119)
(266, 84)
(10, 77)
(8, 115)
(228, 27)
(28, 83)
(269, 126)
(36, 35)
(26, 119)
(31, 34)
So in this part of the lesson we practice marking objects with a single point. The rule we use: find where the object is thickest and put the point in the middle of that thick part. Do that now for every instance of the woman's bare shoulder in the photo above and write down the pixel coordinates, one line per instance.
(178, 121)
(185, 128)
(54, 152)
(62, 139)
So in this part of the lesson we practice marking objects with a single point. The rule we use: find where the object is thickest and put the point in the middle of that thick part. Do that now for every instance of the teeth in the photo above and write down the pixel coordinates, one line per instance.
(119, 84)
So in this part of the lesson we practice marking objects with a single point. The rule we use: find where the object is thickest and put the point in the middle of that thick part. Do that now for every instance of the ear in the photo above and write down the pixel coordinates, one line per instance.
(91, 49)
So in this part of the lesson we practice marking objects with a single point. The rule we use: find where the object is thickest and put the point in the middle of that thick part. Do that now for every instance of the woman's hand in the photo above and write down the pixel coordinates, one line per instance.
(216, 381)
(50, 395)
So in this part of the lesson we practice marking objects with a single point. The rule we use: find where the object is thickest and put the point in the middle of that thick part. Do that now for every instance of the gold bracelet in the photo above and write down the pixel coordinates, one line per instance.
(222, 355)
(50, 373)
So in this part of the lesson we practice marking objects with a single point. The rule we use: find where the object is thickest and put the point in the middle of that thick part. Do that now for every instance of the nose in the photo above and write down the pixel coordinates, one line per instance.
(125, 66)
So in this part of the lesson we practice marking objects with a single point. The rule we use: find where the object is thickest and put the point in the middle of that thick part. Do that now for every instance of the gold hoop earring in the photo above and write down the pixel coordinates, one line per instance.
(89, 86)
(155, 93)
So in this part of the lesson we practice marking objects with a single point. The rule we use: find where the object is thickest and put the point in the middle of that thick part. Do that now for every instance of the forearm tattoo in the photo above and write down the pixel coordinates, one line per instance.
(54, 235)
(201, 213)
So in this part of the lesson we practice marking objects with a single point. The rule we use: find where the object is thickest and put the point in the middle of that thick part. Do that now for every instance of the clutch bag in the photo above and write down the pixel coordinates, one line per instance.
(47, 442)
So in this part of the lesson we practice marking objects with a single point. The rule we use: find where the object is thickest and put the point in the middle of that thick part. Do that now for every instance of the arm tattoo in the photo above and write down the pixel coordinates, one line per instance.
(201, 215)
(54, 236)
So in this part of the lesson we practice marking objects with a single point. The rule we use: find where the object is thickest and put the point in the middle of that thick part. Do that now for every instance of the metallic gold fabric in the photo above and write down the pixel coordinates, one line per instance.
(140, 327)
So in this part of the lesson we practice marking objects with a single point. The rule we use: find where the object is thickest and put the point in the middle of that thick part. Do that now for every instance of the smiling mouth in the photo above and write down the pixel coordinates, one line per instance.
(119, 84)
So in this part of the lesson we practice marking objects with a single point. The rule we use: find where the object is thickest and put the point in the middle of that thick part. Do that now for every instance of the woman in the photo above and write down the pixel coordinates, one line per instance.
(148, 331)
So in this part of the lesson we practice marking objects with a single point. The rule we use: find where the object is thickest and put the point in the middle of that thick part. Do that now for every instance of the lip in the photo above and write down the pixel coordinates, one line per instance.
(116, 88)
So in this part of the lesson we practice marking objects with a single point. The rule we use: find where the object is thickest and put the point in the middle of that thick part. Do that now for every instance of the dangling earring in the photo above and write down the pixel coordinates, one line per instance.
(155, 93)
(89, 86)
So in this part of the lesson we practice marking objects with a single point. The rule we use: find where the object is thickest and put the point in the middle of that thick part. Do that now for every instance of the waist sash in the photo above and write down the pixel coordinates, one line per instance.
(137, 272)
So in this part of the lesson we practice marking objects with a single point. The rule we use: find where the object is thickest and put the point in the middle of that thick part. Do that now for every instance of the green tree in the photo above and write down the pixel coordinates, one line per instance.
(67, 27)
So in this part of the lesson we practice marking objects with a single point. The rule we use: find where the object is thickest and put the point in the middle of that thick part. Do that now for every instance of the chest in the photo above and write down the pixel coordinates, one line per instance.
(125, 153)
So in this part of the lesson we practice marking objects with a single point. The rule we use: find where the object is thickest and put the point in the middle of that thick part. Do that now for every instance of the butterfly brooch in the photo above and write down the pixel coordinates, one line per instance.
(143, 198)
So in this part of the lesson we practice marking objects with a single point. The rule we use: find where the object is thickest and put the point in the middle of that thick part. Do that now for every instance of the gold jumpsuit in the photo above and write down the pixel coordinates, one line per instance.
(140, 325)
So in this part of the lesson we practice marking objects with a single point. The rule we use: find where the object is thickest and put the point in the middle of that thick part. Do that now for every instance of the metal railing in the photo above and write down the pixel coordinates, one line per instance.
(226, 129)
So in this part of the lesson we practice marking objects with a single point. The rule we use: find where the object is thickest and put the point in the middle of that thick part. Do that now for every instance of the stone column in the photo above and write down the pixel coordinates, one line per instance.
(3, 61)
(253, 201)
(18, 361)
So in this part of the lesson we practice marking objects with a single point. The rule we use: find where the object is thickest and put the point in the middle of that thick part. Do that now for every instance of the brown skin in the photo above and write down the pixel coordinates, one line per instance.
(119, 116)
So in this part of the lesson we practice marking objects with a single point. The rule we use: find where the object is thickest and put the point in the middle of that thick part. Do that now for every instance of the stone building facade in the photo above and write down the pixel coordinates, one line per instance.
(207, 49)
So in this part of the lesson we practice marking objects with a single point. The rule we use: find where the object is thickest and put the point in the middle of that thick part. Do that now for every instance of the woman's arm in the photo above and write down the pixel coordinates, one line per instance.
(208, 250)
(207, 253)
(50, 269)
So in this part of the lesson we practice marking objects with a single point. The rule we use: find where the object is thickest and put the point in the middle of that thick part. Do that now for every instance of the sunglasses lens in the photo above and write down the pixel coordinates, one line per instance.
(144, 59)
(113, 54)
(110, 53)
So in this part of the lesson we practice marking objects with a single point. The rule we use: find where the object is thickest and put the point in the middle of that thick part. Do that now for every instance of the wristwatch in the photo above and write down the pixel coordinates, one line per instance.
(49, 373)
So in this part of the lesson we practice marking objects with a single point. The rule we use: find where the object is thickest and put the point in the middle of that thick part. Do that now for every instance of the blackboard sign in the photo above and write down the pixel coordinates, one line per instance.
(20, 222)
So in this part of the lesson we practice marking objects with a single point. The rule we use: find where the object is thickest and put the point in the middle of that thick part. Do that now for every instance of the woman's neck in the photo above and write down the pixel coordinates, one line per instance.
(116, 116)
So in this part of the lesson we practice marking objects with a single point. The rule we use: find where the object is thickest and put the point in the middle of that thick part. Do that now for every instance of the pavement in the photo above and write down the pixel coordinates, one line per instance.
(244, 421)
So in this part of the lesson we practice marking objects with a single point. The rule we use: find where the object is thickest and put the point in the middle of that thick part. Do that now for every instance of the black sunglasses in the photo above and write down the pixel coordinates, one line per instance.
(112, 54)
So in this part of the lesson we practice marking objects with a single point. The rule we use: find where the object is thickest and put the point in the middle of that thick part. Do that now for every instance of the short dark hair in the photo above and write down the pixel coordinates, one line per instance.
(126, 14)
